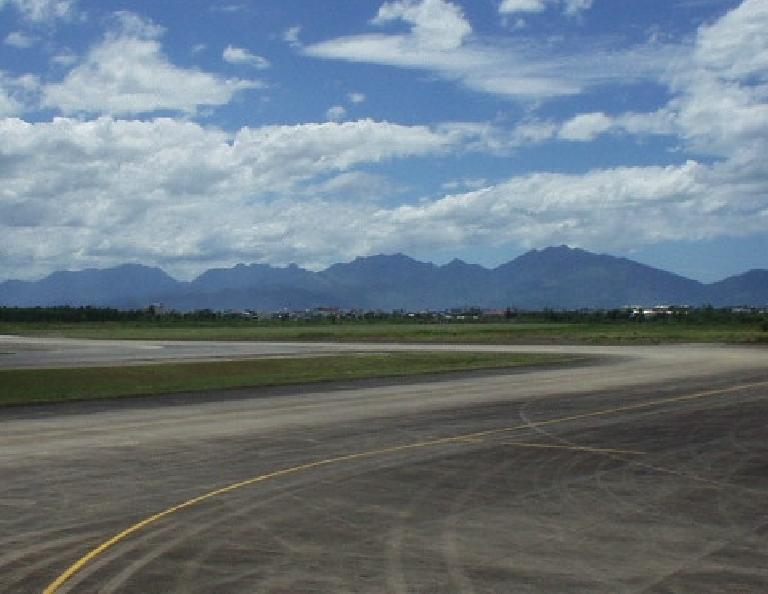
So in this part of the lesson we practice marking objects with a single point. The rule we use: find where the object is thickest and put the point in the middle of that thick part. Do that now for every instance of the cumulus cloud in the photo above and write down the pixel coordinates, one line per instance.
(356, 97)
(543, 208)
(128, 73)
(164, 191)
(174, 193)
(514, 6)
(720, 92)
(353, 186)
(440, 40)
(719, 108)
(336, 113)
(16, 93)
(186, 197)
(722, 102)
(8, 105)
(612, 209)
(435, 24)
(238, 55)
(569, 7)
(586, 126)
(43, 11)
(19, 40)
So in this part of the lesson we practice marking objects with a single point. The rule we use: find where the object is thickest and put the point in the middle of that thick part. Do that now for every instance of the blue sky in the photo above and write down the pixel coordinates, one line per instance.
(191, 135)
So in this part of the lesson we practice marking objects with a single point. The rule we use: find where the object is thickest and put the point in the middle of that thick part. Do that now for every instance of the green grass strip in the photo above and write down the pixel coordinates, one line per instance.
(490, 333)
(20, 386)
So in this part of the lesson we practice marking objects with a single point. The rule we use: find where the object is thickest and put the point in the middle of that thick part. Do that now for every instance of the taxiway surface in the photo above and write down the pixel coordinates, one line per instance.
(644, 471)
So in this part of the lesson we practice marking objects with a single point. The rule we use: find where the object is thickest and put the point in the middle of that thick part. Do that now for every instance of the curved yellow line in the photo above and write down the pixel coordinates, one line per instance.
(78, 565)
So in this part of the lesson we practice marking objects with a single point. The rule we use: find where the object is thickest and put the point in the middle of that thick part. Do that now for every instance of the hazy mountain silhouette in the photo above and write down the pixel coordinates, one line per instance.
(745, 289)
(556, 277)
(565, 277)
(128, 285)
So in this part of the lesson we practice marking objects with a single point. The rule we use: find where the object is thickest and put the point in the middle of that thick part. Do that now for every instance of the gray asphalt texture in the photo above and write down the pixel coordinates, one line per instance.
(645, 471)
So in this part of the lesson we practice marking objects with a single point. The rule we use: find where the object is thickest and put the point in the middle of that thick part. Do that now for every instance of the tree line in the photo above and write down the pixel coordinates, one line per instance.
(73, 314)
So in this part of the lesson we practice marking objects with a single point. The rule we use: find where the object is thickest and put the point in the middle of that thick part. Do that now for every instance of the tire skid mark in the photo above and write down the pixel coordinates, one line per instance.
(709, 550)
(536, 425)
(722, 483)
(397, 580)
(115, 583)
(452, 557)
(540, 428)
(20, 554)
(144, 540)
(729, 517)
(28, 560)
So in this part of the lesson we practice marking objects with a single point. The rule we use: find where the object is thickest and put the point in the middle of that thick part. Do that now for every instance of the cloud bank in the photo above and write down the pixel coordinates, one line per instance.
(93, 187)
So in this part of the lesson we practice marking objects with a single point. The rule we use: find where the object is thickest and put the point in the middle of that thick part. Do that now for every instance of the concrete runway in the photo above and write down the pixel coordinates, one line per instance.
(646, 471)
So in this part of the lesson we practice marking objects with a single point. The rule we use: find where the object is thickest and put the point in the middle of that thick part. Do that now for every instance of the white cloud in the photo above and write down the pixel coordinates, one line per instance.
(465, 184)
(64, 58)
(127, 73)
(356, 97)
(576, 7)
(176, 194)
(722, 89)
(336, 113)
(586, 126)
(499, 140)
(720, 92)
(238, 55)
(719, 107)
(569, 7)
(8, 105)
(515, 6)
(43, 11)
(19, 39)
(16, 93)
(291, 36)
(736, 46)
(603, 209)
(661, 121)
(436, 24)
(440, 40)
(130, 24)
(528, 132)
(79, 193)
(353, 186)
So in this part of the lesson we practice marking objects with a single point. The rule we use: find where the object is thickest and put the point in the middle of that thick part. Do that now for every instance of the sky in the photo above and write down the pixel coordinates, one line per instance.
(190, 135)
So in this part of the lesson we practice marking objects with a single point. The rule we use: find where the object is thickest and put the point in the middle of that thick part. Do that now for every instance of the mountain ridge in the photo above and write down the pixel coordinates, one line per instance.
(558, 277)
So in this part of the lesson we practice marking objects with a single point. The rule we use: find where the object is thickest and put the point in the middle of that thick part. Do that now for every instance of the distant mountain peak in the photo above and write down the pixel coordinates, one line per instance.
(557, 277)
(396, 257)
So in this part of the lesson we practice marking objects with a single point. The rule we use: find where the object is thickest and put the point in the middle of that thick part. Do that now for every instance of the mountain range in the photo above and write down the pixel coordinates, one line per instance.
(555, 277)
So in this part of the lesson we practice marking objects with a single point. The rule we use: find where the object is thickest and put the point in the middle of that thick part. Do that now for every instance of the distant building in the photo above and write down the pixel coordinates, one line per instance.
(158, 309)
(659, 310)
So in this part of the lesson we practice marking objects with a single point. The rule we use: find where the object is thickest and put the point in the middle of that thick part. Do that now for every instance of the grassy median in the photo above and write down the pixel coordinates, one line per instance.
(20, 386)
(624, 332)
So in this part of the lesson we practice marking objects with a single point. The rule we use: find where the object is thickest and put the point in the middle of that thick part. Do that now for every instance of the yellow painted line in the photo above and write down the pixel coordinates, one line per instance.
(522, 444)
(552, 446)
(78, 565)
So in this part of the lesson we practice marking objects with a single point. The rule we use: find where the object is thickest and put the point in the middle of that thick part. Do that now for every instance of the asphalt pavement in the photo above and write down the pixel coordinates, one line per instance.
(644, 471)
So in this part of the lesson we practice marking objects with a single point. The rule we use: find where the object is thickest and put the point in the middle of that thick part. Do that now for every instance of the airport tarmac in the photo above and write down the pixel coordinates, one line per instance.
(643, 471)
